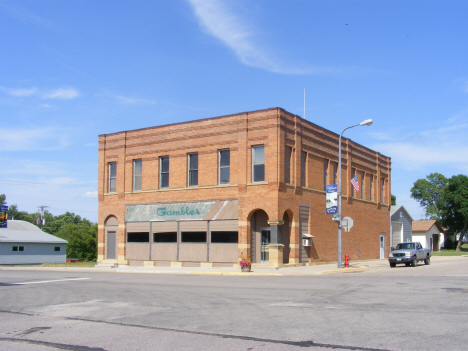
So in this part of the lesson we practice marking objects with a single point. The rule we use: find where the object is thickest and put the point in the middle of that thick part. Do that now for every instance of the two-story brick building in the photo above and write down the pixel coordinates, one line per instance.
(249, 185)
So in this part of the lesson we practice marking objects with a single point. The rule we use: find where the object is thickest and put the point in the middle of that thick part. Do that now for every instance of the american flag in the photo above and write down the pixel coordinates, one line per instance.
(355, 183)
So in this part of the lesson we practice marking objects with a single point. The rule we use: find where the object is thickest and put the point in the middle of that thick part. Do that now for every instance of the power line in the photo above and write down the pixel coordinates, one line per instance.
(42, 199)
(47, 184)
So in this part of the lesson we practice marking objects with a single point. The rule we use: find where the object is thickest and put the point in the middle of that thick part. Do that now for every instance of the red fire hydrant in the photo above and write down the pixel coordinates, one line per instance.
(346, 260)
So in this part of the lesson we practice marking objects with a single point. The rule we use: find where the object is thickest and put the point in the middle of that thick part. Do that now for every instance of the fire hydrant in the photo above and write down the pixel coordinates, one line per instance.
(346, 260)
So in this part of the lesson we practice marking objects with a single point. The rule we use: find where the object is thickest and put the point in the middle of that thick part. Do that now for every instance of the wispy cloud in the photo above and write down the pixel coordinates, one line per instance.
(380, 136)
(20, 92)
(61, 94)
(33, 139)
(443, 147)
(90, 194)
(54, 94)
(221, 22)
(126, 100)
(133, 101)
(24, 15)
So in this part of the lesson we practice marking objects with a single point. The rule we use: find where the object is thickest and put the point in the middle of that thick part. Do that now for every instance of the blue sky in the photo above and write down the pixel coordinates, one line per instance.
(71, 70)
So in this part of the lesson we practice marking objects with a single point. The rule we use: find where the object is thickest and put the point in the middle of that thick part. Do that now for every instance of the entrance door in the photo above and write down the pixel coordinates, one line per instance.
(265, 241)
(382, 247)
(111, 236)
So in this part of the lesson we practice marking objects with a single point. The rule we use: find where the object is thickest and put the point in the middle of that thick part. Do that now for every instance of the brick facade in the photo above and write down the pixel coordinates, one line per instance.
(275, 129)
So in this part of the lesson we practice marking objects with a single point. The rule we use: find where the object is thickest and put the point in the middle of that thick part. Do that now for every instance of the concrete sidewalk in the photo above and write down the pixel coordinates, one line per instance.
(329, 268)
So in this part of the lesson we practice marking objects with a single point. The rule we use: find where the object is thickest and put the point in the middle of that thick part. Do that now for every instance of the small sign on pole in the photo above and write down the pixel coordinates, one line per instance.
(347, 223)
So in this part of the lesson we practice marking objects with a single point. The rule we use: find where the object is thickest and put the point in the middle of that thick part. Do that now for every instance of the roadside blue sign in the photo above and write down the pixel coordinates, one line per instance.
(331, 197)
(3, 216)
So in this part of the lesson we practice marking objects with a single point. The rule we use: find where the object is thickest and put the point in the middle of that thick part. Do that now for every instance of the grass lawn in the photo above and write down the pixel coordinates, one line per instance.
(71, 264)
(444, 252)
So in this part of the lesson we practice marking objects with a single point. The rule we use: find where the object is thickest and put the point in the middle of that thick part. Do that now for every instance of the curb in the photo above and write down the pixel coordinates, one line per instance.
(343, 270)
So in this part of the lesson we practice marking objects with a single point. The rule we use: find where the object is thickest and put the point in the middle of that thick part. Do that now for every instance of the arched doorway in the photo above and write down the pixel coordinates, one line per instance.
(260, 237)
(111, 228)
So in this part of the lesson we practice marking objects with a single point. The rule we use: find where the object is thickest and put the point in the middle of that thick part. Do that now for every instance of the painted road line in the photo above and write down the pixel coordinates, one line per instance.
(49, 281)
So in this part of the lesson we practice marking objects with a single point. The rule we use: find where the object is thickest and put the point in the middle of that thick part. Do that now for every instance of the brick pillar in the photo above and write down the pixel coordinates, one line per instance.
(275, 255)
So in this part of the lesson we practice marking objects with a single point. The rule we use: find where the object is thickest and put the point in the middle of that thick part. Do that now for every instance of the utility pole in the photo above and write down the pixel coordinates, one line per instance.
(42, 207)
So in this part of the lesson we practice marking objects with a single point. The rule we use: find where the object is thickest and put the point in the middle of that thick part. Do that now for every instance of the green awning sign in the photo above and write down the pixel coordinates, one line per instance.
(178, 211)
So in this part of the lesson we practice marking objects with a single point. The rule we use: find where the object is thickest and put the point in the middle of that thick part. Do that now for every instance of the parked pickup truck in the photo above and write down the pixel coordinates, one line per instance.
(409, 254)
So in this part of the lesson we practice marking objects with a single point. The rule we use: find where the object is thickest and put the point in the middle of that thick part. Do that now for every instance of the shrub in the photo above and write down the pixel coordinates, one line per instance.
(449, 244)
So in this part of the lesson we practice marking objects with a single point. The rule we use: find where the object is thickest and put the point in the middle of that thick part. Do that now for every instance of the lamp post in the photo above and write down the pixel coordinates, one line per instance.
(367, 122)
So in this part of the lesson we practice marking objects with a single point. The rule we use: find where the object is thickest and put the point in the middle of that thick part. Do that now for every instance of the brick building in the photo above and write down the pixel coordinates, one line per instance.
(211, 191)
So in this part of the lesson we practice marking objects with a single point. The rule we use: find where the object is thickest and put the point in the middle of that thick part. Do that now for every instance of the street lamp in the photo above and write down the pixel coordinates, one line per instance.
(367, 122)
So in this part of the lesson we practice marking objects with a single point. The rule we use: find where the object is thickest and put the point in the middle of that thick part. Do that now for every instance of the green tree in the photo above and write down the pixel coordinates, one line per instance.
(80, 233)
(82, 240)
(430, 194)
(393, 200)
(455, 211)
(2, 199)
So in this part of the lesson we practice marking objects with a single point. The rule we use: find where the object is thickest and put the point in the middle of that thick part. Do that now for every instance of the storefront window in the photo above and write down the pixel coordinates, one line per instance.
(193, 237)
(170, 237)
(138, 237)
(224, 237)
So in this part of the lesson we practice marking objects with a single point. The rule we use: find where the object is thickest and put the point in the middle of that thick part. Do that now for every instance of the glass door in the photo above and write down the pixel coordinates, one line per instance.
(265, 241)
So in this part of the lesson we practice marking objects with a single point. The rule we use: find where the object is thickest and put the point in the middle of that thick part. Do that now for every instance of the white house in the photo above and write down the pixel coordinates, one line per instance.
(429, 233)
(401, 225)
(24, 243)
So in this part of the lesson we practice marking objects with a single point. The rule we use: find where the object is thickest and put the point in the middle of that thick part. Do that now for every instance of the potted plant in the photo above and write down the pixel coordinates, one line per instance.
(245, 265)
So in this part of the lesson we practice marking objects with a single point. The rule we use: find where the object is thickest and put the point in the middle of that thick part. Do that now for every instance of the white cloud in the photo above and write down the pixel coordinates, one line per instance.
(23, 15)
(125, 100)
(33, 139)
(20, 92)
(219, 21)
(380, 136)
(133, 101)
(443, 148)
(61, 94)
(90, 194)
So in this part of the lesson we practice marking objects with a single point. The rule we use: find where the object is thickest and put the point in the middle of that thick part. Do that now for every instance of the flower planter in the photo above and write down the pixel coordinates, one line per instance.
(245, 269)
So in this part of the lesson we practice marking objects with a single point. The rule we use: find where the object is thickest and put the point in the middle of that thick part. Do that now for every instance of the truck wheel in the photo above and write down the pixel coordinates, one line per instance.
(392, 264)
(415, 262)
(427, 261)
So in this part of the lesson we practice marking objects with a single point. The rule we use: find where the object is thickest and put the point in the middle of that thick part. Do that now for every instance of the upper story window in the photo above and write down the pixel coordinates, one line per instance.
(224, 166)
(303, 168)
(335, 173)
(353, 173)
(193, 169)
(325, 174)
(258, 163)
(112, 183)
(382, 190)
(137, 170)
(362, 184)
(371, 187)
(287, 165)
(164, 172)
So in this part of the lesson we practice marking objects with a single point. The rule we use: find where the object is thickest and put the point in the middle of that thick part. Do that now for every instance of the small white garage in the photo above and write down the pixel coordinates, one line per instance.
(24, 243)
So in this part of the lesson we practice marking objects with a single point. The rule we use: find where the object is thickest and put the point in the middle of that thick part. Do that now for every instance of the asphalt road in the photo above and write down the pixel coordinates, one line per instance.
(403, 308)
